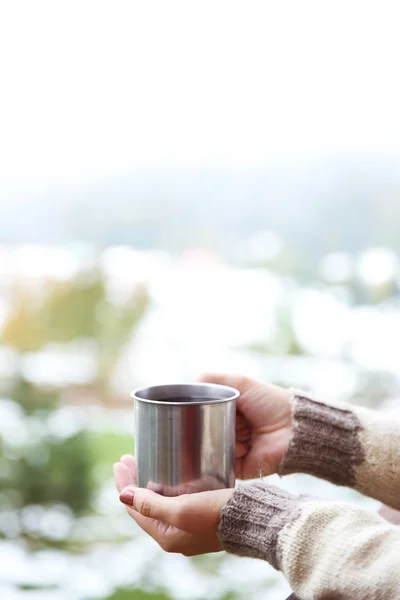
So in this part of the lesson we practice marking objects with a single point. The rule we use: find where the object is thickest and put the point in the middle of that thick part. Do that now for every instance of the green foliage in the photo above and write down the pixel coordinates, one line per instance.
(69, 309)
(108, 447)
(31, 588)
(43, 468)
(33, 399)
(22, 330)
(68, 474)
(115, 326)
(60, 312)
(50, 472)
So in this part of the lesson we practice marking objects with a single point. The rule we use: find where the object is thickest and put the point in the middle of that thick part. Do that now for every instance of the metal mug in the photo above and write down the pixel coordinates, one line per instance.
(185, 437)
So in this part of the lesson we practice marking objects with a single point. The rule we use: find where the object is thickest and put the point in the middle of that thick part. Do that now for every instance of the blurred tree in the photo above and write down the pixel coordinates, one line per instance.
(41, 467)
(22, 330)
(32, 399)
(69, 309)
(51, 471)
(61, 312)
(116, 325)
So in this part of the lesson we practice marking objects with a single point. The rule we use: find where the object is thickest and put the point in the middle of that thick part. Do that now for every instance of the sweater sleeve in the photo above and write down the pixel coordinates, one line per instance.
(353, 447)
(325, 550)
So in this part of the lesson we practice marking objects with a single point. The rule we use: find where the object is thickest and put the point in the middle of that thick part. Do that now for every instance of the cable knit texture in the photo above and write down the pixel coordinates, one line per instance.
(327, 550)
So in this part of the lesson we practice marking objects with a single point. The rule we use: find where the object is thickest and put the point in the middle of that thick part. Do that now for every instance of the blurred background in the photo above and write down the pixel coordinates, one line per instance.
(184, 186)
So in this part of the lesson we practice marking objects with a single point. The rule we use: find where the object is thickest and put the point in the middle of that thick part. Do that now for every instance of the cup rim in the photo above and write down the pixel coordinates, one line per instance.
(234, 394)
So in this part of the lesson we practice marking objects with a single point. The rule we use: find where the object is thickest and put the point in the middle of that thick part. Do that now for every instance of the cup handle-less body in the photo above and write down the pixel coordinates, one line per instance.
(185, 446)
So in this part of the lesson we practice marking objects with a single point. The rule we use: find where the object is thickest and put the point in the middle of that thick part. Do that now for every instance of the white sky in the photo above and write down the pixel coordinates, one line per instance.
(91, 87)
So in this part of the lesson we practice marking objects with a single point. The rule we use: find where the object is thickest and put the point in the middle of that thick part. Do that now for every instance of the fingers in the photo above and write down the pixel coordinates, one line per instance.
(243, 437)
(156, 529)
(192, 512)
(171, 539)
(122, 476)
(130, 462)
(240, 382)
(125, 472)
(241, 450)
(243, 432)
(159, 488)
(185, 524)
(205, 483)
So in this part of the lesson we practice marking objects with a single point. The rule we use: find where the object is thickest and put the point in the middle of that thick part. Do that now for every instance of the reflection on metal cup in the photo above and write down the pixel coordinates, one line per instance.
(185, 437)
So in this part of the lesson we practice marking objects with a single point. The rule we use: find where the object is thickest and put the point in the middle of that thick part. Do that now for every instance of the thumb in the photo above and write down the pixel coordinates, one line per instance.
(148, 503)
(189, 512)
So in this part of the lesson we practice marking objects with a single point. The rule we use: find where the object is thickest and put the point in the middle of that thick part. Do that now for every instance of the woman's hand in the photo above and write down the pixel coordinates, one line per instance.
(263, 424)
(185, 524)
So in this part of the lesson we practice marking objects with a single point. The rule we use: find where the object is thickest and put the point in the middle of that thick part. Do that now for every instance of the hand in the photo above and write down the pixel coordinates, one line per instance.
(203, 484)
(263, 424)
(186, 524)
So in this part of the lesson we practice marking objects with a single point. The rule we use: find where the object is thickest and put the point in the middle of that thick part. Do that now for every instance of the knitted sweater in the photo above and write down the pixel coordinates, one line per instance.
(327, 550)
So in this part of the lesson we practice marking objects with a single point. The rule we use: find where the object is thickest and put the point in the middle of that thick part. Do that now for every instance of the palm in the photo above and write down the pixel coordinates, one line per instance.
(173, 539)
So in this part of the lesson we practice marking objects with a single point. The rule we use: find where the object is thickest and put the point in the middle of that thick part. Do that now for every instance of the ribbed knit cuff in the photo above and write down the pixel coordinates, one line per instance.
(325, 442)
(252, 519)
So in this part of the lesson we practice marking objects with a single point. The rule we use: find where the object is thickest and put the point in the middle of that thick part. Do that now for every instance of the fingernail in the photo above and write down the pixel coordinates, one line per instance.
(126, 497)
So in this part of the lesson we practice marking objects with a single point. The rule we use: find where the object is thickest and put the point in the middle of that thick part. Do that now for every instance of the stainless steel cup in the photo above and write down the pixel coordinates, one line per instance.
(185, 437)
